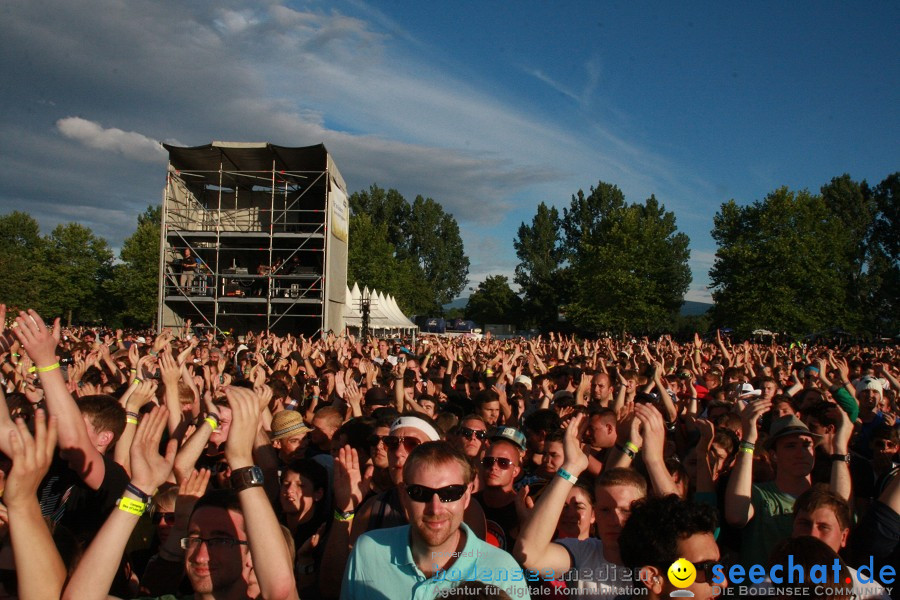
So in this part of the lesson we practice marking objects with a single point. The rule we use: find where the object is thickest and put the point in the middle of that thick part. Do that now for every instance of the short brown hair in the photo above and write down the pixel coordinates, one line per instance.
(621, 476)
(105, 414)
(438, 453)
(819, 496)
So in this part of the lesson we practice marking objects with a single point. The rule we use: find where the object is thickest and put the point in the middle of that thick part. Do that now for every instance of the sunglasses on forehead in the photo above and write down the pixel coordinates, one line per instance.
(393, 442)
(467, 433)
(490, 461)
(448, 493)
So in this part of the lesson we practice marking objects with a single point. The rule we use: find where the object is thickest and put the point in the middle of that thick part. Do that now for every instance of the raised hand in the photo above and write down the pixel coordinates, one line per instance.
(149, 469)
(145, 392)
(264, 393)
(348, 493)
(750, 414)
(524, 503)
(31, 458)
(653, 430)
(245, 410)
(38, 340)
(169, 370)
(190, 491)
(575, 461)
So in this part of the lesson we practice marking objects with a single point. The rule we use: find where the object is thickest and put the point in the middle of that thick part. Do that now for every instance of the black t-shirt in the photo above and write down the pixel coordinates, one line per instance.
(66, 499)
(502, 523)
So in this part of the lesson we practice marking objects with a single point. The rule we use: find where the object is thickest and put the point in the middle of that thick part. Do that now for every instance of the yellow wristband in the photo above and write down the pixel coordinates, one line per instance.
(135, 507)
(48, 368)
(131, 420)
(32, 369)
(212, 423)
(137, 380)
(632, 447)
(747, 450)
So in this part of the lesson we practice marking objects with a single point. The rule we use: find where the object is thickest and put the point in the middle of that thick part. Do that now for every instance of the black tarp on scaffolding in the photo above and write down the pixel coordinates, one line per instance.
(268, 226)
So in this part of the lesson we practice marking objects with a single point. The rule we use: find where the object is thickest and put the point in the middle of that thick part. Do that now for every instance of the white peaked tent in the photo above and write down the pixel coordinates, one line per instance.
(384, 314)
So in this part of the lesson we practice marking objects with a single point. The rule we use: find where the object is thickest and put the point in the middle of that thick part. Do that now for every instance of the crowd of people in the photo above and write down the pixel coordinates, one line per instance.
(272, 466)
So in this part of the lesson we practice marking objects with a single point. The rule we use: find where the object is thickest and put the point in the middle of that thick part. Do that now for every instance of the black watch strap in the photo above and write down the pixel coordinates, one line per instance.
(246, 477)
(840, 457)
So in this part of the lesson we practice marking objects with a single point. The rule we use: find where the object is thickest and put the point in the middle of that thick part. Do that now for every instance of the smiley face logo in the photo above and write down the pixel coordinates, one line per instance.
(682, 573)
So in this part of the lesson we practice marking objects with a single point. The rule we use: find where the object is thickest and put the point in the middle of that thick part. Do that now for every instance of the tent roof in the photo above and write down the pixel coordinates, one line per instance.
(242, 156)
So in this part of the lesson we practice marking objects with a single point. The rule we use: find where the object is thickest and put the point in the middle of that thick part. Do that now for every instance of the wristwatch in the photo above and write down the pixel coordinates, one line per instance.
(246, 477)
(840, 458)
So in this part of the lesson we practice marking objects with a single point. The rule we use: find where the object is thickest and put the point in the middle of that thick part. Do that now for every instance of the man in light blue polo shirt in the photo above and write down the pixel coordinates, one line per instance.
(436, 551)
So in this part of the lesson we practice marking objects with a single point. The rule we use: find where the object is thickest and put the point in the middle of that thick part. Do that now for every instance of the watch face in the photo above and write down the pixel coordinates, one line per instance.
(247, 477)
(255, 475)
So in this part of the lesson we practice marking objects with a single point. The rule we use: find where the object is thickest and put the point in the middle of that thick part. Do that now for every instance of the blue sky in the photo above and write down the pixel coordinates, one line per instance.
(489, 108)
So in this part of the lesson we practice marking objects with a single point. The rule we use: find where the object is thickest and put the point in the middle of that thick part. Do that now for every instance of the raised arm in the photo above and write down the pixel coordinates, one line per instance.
(841, 483)
(653, 432)
(97, 568)
(39, 568)
(738, 508)
(535, 548)
(272, 564)
(40, 343)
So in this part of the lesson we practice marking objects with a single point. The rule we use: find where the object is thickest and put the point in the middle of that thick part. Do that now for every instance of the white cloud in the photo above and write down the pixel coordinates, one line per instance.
(128, 143)
(235, 21)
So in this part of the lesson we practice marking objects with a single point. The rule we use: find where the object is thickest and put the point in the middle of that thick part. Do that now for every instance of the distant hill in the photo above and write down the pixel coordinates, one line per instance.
(689, 309)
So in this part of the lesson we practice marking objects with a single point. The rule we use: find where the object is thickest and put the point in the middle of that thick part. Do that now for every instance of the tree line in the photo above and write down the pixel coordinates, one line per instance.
(71, 271)
(796, 262)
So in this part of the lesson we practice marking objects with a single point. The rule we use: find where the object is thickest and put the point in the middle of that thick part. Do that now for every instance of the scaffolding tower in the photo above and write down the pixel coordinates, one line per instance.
(267, 227)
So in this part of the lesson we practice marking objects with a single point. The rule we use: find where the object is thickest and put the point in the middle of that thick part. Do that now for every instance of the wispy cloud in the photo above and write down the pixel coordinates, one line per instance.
(128, 143)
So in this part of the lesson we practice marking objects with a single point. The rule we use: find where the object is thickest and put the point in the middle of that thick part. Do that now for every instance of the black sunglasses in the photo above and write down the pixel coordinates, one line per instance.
(706, 569)
(374, 440)
(467, 433)
(490, 461)
(167, 517)
(448, 493)
(393, 442)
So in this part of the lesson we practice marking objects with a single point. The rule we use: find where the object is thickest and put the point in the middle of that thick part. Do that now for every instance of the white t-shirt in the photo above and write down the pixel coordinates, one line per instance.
(590, 571)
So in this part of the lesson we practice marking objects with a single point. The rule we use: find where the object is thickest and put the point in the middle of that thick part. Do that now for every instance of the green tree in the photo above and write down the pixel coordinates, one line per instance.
(629, 263)
(777, 266)
(588, 216)
(435, 243)
(851, 204)
(387, 207)
(135, 282)
(881, 303)
(22, 257)
(372, 261)
(78, 264)
(494, 302)
(430, 266)
(539, 273)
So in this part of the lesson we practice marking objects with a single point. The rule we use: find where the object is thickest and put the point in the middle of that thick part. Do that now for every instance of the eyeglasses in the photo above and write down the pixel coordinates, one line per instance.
(490, 461)
(189, 543)
(374, 440)
(160, 517)
(393, 442)
(448, 493)
(467, 433)
(883, 445)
